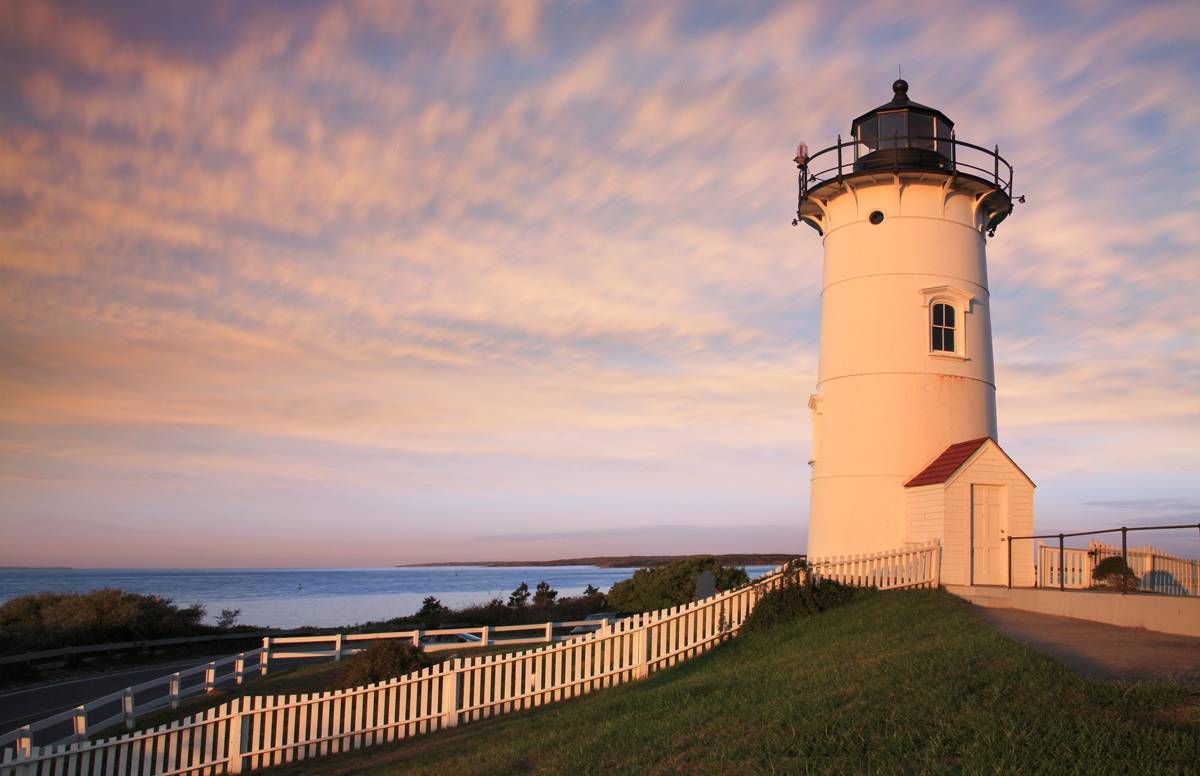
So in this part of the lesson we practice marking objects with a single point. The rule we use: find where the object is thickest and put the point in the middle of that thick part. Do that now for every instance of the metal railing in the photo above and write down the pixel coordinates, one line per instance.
(952, 155)
(1070, 568)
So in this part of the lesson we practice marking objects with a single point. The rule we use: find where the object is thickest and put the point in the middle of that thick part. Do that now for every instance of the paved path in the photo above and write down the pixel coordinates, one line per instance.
(1100, 651)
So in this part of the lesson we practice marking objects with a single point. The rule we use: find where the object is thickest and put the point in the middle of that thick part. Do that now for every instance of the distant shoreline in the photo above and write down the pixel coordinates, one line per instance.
(619, 561)
(37, 568)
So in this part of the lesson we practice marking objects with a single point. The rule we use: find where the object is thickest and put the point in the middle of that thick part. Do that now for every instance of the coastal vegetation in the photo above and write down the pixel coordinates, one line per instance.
(907, 682)
(42, 621)
(672, 585)
(648, 589)
(379, 662)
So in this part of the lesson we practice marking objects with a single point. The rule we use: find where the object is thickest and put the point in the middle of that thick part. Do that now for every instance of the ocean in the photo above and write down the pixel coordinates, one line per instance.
(292, 598)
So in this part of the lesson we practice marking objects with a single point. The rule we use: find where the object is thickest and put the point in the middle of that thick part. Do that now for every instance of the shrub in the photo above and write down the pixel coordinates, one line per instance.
(379, 662)
(544, 595)
(53, 620)
(1114, 572)
(671, 585)
(431, 612)
(799, 596)
(228, 618)
(519, 597)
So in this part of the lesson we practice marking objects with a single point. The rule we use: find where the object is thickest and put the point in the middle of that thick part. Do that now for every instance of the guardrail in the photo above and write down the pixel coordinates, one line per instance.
(340, 644)
(260, 731)
(124, 646)
(126, 705)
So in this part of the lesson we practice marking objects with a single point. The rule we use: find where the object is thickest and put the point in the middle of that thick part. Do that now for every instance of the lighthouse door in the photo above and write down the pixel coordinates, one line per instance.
(988, 529)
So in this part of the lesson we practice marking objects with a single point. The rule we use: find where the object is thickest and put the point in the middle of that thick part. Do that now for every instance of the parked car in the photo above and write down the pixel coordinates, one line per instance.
(451, 638)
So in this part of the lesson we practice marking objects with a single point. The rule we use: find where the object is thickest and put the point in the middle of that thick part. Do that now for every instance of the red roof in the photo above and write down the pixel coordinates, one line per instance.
(946, 464)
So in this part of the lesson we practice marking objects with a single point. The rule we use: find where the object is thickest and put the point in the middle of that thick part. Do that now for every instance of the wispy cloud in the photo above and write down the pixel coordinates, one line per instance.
(541, 251)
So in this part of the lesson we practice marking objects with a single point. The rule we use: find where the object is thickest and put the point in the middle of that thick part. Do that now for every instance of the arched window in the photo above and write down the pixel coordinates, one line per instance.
(942, 328)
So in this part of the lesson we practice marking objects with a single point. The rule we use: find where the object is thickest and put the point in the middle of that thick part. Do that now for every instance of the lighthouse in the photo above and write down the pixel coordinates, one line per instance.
(905, 442)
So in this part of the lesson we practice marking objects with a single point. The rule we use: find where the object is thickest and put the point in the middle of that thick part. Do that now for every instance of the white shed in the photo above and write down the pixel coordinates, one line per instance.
(971, 498)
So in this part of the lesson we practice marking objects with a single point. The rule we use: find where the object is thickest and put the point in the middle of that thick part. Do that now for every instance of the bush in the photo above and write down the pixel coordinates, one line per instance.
(53, 620)
(799, 596)
(1114, 572)
(671, 585)
(544, 595)
(379, 662)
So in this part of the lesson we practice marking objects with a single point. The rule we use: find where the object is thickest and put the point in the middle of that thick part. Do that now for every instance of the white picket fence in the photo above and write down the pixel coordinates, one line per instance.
(918, 566)
(1157, 571)
(260, 731)
(125, 706)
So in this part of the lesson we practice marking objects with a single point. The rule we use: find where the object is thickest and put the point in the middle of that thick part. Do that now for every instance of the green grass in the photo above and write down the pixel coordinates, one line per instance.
(895, 683)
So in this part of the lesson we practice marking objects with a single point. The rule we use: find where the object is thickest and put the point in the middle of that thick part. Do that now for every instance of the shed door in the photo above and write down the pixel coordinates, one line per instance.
(989, 526)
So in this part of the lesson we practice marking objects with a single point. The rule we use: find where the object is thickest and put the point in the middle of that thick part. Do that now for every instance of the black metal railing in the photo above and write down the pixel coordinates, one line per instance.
(1174, 575)
(879, 154)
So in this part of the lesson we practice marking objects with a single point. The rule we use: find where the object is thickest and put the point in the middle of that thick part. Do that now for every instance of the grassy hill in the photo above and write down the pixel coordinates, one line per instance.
(897, 683)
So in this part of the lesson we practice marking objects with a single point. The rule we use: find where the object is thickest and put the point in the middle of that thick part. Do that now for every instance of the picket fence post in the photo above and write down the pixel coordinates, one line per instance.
(239, 738)
(264, 659)
(641, 668)
(450, 682)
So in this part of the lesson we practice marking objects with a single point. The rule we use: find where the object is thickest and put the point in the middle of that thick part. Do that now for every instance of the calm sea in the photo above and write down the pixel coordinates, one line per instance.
(290, 598)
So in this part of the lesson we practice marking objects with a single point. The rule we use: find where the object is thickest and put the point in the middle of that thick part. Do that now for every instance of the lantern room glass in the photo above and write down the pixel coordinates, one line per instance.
(898, 129)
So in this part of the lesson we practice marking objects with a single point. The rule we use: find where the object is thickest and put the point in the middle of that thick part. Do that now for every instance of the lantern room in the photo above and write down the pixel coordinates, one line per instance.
(903, 133)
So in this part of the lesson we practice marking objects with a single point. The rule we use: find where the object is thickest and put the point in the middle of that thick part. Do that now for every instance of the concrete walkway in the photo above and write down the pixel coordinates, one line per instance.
(1100, 651)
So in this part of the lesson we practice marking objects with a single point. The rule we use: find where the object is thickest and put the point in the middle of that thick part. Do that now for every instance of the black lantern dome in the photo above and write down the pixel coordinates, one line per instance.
(904, 133)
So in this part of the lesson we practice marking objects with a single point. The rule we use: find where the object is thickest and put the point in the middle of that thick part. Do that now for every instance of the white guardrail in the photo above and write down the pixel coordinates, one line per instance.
(253, 732)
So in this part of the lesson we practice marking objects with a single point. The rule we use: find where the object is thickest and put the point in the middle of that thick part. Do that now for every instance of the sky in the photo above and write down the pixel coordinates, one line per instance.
(342, 284)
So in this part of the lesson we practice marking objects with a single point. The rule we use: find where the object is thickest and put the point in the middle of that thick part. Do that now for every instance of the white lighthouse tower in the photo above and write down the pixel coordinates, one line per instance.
(906, 380)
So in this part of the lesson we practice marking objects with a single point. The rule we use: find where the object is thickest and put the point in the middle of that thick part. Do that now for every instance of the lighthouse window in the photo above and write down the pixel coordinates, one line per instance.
(944, 140)
(892, 127)
(868, 133)
(942, 328)
(921, 129)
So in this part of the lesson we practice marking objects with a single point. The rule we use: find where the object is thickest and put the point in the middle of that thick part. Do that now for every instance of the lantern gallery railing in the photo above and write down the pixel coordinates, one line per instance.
(901, 153)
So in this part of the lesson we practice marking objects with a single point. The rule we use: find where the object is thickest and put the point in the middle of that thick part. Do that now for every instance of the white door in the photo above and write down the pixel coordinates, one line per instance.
(989, 526)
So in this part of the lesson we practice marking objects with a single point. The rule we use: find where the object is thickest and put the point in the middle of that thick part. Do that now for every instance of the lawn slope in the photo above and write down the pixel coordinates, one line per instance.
(896, 683)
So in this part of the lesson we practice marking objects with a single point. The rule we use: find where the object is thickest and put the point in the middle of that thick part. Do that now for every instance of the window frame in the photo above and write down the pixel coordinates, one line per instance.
(961, 303)
(938, 330)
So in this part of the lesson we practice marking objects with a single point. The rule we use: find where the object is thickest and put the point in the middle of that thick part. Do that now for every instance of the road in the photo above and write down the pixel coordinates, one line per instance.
(30, 704)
